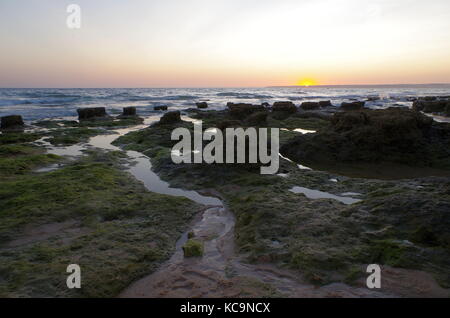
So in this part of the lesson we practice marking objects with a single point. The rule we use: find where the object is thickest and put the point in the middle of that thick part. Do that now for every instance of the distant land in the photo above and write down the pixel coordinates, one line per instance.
(431, 85)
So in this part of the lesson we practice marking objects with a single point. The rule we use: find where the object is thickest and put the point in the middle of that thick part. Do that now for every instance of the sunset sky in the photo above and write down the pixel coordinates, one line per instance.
(224, 43)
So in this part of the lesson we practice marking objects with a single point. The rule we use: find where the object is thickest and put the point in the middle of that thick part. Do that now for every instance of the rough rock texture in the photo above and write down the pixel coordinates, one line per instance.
(129, 111)
(13, 121)
(91, 113)
(325, 240)
(193, 248)
(352, 106)
(242, 110)
(287, 107)
(309, 105)
(325, 103)
(431, 104)
(257, 119)
(202, 105)
(170, 118)
(228, 124)
(391, 135)
(163, 107)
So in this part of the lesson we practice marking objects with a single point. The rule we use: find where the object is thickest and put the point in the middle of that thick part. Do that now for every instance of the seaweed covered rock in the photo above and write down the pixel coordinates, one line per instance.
(434, 106)
(390, 135)
(13, 121)
(325, 103)
(310, 105)
(352, 106)
(228, 124)
(202, 105)
(287, 107)
(257, 119)
(193, 248)
(91, 113)
(170, 118)
(242, 110)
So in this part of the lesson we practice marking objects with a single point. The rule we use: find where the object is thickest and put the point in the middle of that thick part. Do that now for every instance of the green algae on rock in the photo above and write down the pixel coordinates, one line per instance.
(89, 212)
(391, 135)
(193, 248)
(324, 240)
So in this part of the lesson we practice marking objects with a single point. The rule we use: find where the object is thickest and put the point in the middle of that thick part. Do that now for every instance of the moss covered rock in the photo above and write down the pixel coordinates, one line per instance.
(392, 135)
(193, 248)
(170, 118)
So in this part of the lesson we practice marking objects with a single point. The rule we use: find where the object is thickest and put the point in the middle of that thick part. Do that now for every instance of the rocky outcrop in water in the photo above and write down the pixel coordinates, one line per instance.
(162, 107)
(11, 122)
(287, 107)
(325, 103)
(352, 106)
(91, 113)
(309, 106)
(390, 135)
(242, 110)
(433, 105)
(171, 118)
(129, 111)
(315, 105)
(202, 105)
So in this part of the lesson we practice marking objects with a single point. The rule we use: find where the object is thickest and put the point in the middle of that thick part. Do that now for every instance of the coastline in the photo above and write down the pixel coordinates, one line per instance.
(315, 241)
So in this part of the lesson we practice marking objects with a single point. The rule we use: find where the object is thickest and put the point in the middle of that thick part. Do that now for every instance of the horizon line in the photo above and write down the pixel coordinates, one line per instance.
(231, 87)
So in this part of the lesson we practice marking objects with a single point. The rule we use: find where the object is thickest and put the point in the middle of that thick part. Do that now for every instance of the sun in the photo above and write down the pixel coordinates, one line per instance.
(307, 82)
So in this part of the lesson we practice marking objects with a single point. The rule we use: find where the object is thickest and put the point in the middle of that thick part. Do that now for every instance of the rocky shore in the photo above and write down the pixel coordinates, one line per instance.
(91, 211)
(325, 240)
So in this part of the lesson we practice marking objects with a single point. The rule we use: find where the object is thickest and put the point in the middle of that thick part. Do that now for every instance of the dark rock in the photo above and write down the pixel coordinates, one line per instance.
(202, 105)
(266, 105)
(418, 105)
(91, 113)
(171, 118)
(352, 106)
(287, 107)
(13, 121)
(242, 110)
(228, 124)
(390, 135)
(129, 111)
(257, 119)
(309, 105)
(437, 106)
(325, 103)
(428, 98)
(430, 106)
(447, 109)
(348, 120)
(163, 107)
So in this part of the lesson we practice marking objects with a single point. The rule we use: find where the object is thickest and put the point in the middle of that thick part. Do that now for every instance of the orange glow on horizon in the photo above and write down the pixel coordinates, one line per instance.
(307, 82)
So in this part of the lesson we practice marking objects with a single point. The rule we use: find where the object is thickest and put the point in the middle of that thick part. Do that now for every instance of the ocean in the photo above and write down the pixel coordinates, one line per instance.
(38, 104)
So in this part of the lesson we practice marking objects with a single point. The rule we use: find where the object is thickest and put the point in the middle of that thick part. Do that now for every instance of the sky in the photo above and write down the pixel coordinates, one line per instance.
(224, 43)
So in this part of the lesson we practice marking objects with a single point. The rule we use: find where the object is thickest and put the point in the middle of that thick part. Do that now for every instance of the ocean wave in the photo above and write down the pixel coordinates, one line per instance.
(49, 95)
(10, 102)
(243, 95)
